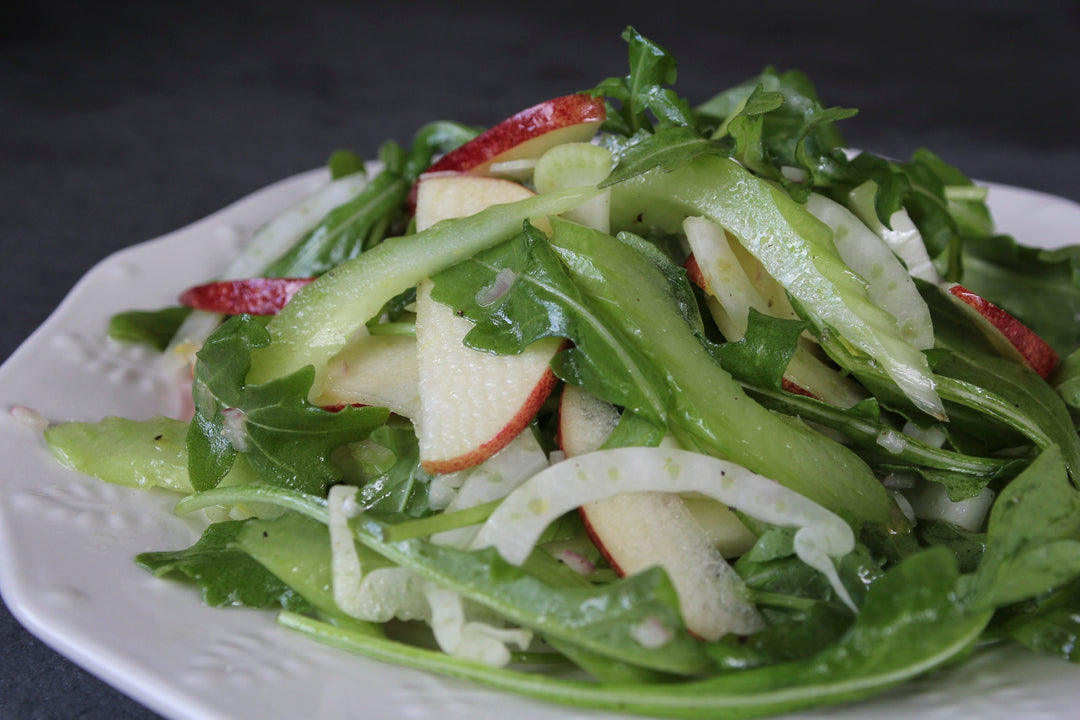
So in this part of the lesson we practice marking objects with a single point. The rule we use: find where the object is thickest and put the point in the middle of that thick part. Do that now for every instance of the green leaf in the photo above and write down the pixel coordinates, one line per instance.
(761, 357)
(226, 575)
(347, 230)
(543, 302)
(1049, 624)
(1033, 537)
(643, 89)
(600, 619)
(908, 626)
(386, 466)
(668, 148)
(343, 163)
(287, 440)
(150, 327)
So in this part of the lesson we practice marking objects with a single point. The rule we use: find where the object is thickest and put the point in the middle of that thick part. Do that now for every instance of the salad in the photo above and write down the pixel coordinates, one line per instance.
(630, 403)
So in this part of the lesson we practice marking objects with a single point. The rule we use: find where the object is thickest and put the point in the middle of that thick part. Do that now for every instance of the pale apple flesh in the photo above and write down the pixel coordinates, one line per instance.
(637, 531)
(378, 370)
(472, 403)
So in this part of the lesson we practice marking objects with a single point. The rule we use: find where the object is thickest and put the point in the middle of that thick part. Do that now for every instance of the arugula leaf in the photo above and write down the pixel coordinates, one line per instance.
(150, 327)
(761, 357)
(287, 440)
(344, 162)
(643, 89)
(599, 619)
(544, 302)
(226, 575)
(1033, 537)
(669, 148)
(386, 466)
(1049, 624)
(777, 121)
(365, 220)
(909, 625)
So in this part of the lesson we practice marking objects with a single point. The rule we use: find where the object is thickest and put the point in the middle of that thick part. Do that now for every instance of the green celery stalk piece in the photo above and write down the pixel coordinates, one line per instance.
(702, 400)
(793, 246)
(134, 453)
(318, 320)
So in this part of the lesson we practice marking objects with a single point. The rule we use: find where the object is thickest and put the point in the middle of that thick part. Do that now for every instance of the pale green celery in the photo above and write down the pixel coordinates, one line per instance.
(704, 405)
(793, 246)
(574, 165)
(319, 320)
(134, 453)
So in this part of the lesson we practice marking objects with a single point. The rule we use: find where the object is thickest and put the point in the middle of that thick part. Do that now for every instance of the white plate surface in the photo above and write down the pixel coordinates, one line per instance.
(67, 542)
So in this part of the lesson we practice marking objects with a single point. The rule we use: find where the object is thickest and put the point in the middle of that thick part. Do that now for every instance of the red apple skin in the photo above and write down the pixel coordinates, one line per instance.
(511, 430)
(253, 296)
(694, 275)
(556, 114)
(532, 122)
(1038, 355)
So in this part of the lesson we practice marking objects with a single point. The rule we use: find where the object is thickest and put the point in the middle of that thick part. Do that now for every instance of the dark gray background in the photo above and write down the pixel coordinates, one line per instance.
(120, 122)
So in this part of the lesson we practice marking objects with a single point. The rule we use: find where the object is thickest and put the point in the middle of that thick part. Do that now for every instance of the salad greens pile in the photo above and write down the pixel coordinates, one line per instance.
(768, 318)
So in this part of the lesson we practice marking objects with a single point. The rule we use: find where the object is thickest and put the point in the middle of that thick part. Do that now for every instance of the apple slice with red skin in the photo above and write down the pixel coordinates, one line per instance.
(636, 531)
(525, 136)
(1035, 352)
(253, 296)
(472, 403)
(528, 134)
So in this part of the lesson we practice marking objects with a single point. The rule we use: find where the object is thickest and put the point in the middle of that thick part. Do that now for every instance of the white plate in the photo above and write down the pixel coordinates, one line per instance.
(67, 542)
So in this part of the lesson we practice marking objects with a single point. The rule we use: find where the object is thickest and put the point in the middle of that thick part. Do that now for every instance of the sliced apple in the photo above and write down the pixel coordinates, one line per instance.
(528, 134)
(253, 296)
(636, 531)
(379, 370)
(472, 404)
(1008, 333)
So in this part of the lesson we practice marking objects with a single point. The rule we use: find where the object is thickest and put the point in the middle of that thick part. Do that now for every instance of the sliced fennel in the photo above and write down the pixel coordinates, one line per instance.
(901, 235)
(889, 286)
(514, 528)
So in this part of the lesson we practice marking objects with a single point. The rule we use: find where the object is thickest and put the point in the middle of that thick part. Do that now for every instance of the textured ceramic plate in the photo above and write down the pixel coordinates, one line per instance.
(66, 542)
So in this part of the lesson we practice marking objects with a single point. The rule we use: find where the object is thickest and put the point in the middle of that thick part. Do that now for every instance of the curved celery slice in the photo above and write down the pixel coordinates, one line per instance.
(792, 245)
(319, 319)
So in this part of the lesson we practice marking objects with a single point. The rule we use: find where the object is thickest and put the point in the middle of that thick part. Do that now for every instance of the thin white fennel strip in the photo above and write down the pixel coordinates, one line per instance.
(889, 286)
(514, 528)
(267, 244)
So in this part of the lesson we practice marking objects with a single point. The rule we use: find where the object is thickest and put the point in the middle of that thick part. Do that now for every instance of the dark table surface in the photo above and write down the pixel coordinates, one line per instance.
(122, 121)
